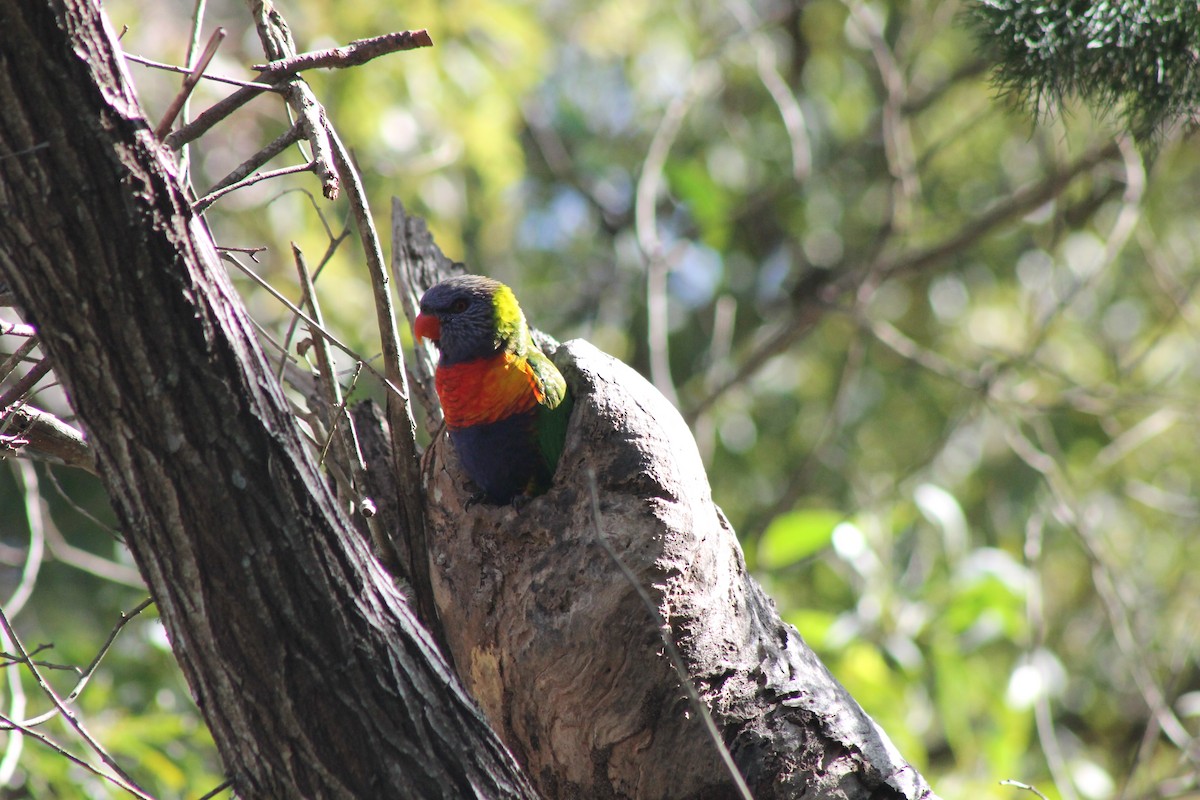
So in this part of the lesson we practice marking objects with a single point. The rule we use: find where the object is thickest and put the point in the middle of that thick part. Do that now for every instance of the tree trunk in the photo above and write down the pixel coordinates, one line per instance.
(306, 663)
(566, 660)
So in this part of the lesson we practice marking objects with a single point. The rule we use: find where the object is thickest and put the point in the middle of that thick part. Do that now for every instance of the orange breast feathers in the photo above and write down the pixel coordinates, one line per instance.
(486, 390)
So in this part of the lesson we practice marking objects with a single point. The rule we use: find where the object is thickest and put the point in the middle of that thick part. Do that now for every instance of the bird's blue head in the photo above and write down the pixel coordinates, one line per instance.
(470, 317)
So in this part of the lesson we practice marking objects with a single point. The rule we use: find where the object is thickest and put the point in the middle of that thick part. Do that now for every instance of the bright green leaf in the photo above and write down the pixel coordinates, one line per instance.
(796, 535)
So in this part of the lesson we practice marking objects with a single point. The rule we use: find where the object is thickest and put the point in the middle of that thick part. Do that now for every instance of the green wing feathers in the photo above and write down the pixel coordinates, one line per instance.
(554, 412)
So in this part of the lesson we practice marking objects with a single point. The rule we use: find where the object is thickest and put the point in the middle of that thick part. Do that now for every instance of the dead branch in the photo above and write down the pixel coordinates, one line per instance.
(358, 52)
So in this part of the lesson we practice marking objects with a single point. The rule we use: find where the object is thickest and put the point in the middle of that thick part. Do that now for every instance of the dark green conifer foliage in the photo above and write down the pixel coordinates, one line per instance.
(1139, 58)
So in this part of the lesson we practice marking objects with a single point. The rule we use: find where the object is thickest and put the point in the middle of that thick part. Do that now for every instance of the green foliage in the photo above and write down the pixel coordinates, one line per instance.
(1139, 55)
(796, 535)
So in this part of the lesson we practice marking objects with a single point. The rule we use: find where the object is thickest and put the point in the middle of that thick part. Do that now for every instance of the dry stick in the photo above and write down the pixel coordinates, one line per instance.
(343, 440)
(189, 83)
(16, 329)
(330, 249)
(13, 361)
(218, 111)
(201, 205)
(336, 342)
(664, 632)
(62, 751)
(244, 170)
(87, 561)
(149, 62)
(278, 44)
(83, 512)
(220, 787)
(40, 435)
(126, 782)
(90, 670)
(646, 225)
(25, 383)
(358, 52)
(1024, 786)
(401, 426)
(271, 83)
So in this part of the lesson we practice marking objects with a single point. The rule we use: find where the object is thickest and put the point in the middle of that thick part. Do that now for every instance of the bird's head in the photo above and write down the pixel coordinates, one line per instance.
(470, 317)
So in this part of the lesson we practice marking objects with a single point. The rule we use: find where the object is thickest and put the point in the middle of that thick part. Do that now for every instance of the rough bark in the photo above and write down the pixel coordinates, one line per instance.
(565, 659)
(306, 663)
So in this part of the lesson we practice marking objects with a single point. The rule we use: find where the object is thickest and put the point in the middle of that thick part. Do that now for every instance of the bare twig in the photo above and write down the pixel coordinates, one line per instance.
(83, 512)
(41, 435)
(278, 45)
(62, 751)
(16, 329)
(204, 202)
(360, 51)
(401, 426)
(1025, 786)
(342, 440)
(85, 560)
(768, 73)
(126, 782)
(336, 342)
(27, 478)
(257, 87)
(207, 119)
(216, 790)
(25, 383)
(189, 83)
(18, 356)
(247, 167)
(90, 669)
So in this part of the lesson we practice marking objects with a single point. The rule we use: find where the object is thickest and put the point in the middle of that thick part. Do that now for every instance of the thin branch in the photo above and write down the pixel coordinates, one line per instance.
(189, 83)
(1025, 786)
(26, 383)
(126, 781)
(358, 52)
(27, 478)
(62, 751)
(790, 112)
(278, 44)
(334, 406)
(201, 205)
(401, 426)
(336, 342)
(16, 329)
(247, 167)
(85, 560)
(90, 669)
(83, 512)
(257, 87)
(40, 435)
(18, 356)
(220, 787)
(211, 116)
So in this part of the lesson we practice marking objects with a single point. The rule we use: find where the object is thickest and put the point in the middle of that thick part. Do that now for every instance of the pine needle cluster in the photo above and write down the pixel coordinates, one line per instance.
(1137, 58)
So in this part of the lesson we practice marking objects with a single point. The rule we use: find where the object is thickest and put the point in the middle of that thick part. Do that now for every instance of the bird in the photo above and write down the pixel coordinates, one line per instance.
(506, 405)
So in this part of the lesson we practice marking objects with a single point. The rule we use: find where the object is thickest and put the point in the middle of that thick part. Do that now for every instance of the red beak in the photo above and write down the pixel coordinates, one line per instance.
(427, 327)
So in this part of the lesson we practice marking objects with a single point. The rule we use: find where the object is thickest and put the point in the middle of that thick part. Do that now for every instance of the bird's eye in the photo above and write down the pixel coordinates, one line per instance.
(459, 305)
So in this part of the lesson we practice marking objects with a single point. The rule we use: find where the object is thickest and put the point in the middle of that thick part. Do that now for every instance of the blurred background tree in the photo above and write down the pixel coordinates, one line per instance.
(940, 358)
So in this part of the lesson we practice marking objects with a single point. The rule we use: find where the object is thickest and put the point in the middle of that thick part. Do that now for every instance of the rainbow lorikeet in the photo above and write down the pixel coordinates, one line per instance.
(506, 404)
